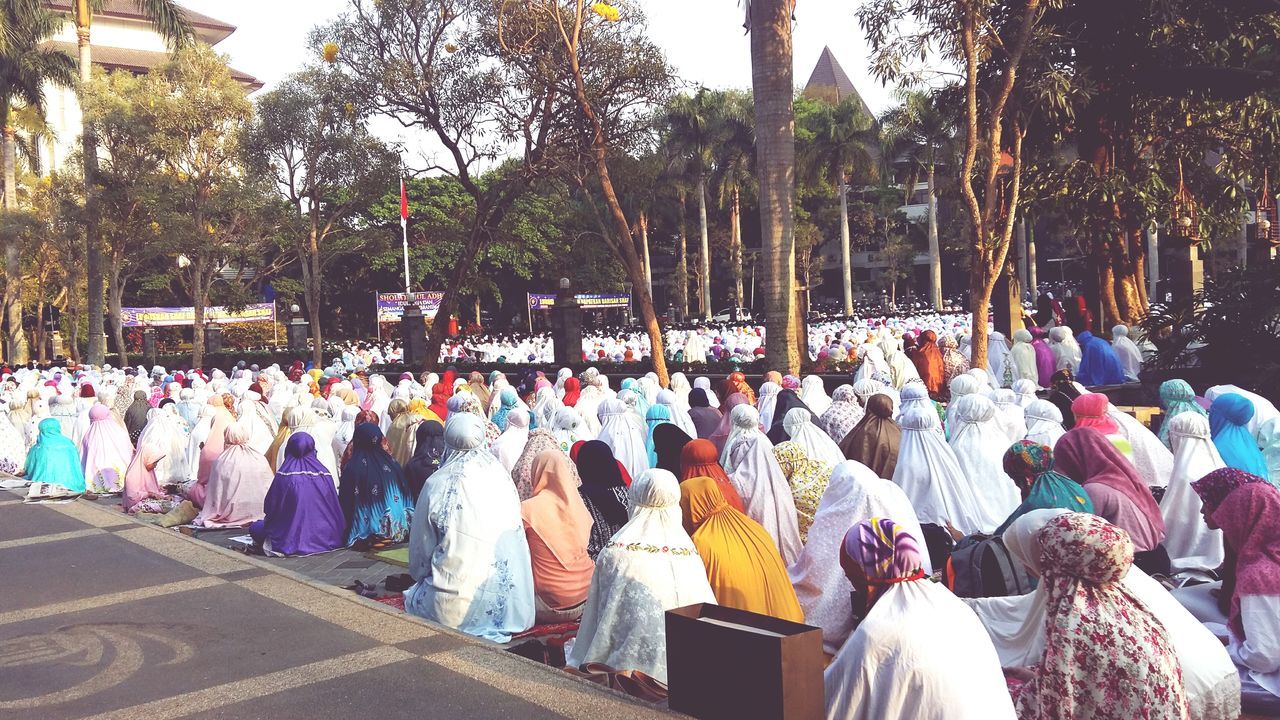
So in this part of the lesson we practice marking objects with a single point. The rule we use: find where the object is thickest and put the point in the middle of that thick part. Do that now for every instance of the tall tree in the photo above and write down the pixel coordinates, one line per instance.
(641, 75)
(1144, 91)
(168, 19)
(694, 129)
(25, 69)
(842, 151)
(200, 115)
(988, 39)
(133, 188)
(735, 164)
(917, 130)
(769, 22)
(311, 139)
(436, 65)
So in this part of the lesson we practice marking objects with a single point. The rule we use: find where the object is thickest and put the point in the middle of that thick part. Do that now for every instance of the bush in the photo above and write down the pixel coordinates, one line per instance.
(1227, 333)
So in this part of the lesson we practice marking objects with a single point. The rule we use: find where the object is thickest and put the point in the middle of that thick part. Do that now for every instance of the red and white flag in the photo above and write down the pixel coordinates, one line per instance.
(404, 205)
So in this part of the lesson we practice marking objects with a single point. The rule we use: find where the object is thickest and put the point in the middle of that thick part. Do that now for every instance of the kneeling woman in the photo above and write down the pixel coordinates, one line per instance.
(558, 527)
(375, 501)
(302, 512)
(469, 555)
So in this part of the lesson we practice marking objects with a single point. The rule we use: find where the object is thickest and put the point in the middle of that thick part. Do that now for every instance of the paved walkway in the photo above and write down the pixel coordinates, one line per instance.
(104, 617)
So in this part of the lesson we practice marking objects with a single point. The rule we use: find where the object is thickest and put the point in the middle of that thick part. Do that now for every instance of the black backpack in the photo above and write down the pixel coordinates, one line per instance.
(982, 567)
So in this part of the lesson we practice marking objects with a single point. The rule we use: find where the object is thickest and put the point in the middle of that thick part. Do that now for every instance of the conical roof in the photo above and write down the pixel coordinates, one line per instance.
(829, 82)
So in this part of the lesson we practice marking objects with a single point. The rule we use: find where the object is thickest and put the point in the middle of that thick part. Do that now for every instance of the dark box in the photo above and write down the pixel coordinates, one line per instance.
(763, 668)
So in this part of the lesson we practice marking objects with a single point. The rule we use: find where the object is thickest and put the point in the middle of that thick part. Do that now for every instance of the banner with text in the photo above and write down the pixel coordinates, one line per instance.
(175, 316)
(391, 305)
(588, 302)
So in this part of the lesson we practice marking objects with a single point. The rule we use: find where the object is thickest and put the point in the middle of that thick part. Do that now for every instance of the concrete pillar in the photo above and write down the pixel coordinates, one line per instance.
(566, 327)
(1032, 281)
(1006, 301)
(413, 336)
(148, 345)
(1185, 271)
(1153, 263)
(298, 331)
(1020, 248)
(213, 338)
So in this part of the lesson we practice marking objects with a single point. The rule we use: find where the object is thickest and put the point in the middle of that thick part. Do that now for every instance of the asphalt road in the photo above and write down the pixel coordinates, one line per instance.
(104, 617)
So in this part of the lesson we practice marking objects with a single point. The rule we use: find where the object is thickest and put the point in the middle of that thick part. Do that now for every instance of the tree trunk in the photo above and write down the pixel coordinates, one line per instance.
(771, 82)
(846, 261)
(115, 300)
(93, 239)
(635, 271)
(312, 279)
(935, 250)
(16, 350)
(682, 267)
(735, 243)
(704, 291)
(643, 222)
(198, 302)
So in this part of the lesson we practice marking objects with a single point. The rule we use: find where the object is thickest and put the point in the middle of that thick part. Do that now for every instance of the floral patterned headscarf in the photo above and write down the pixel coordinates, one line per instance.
(1217, 485)
(1106, 656)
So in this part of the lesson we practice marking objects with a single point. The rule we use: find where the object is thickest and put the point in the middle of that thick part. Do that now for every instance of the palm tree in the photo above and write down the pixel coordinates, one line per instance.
(25, 67)
(769, 22)
(916, 131)
(735, 156)
(693, 129)
(841, 153)
(168, 19)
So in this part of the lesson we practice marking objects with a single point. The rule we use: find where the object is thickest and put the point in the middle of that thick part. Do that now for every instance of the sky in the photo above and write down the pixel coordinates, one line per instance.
(703, 39)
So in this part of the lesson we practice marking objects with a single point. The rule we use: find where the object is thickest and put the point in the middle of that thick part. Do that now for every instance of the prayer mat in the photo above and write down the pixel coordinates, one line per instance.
(396, 601)
(394, 556)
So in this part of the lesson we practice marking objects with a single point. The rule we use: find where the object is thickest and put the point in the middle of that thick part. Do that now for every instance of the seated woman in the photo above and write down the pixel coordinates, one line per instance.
(806, 477)
(558, 527)
(427, 455)
(469, 555)
(705, 418)
(1090, 410)
(303, 516)
(1118, 494)
(649, 567)
(105, 452)
(603, 491)
(375, 499)
(238, 482)
(743, 564)
(853, 494)
(874, 440)
(54, 459)
(1105, 654)
(1246, 612)
(1229, 417)
(699, 459)
(1031, 467)
(918, 653)
(1018, 629)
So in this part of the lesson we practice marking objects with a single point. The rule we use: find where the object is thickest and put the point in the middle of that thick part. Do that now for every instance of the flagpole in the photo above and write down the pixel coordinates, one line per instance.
(404, 229)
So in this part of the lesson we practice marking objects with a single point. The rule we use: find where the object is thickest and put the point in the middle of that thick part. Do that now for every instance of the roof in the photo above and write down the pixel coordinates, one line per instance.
(214, 30)
(830, 82)
(140, 61)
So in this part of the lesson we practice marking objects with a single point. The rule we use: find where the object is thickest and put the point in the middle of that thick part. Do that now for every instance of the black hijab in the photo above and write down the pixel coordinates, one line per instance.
(135, 416)
(601, 473)
(668, 441)
(426, 456)
(787, 401)
(1063, 393)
